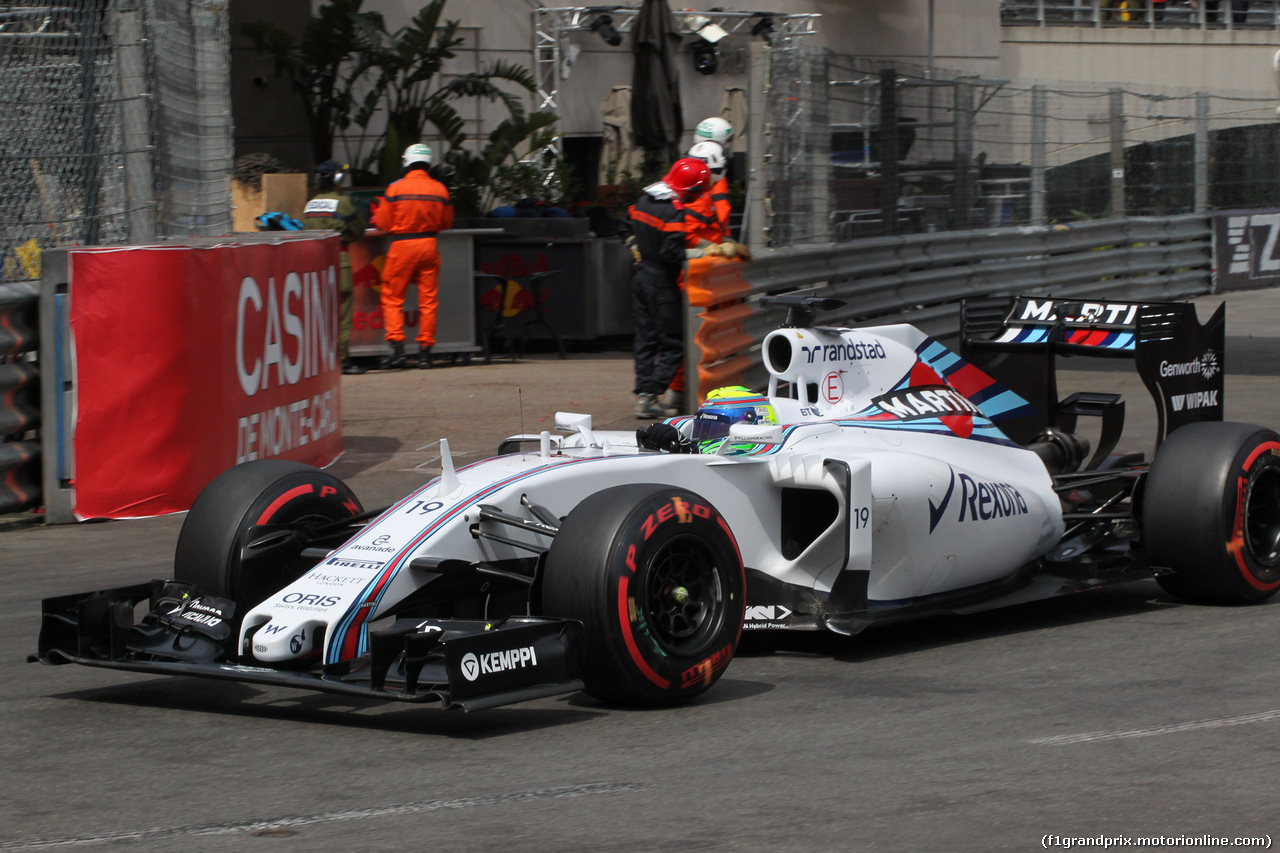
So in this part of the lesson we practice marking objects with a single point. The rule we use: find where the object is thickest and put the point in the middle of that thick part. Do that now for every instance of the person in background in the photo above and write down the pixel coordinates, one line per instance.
(712, 208)
(414, 210)
(661, 235)
(331, 210)
(1239, 11)
(711, 212)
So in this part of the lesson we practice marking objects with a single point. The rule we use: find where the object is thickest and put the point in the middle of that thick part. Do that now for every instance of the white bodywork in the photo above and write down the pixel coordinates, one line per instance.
(930, 497)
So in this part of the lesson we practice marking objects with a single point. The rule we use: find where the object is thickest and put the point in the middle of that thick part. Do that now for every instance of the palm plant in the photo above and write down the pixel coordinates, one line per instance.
(323, 67)
(406, 63)
(478, 178)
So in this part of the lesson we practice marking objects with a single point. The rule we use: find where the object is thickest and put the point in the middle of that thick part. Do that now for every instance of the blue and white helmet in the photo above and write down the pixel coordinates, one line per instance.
(727, 406)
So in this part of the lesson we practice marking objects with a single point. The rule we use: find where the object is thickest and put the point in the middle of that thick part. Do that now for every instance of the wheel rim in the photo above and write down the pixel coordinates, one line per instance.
(684, 596)
(1262, 518)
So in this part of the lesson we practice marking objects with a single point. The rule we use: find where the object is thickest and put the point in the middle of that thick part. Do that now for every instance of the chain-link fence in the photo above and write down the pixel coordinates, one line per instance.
(114, 124)
(859, 148)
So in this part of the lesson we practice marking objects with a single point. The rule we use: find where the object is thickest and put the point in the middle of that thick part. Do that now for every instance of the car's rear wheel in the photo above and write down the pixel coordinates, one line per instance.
(1211, 512)
(654, 574)
(289, 497)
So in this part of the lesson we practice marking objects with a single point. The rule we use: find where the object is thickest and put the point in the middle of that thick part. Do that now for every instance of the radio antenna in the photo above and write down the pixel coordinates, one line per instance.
(520, 398)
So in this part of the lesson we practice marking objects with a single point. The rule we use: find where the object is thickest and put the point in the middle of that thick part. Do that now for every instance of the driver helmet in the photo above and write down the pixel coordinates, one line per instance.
(727, 406)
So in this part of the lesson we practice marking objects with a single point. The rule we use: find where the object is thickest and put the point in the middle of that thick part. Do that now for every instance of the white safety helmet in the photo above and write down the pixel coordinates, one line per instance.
(417, 153)
(711, 153)
(714, 129)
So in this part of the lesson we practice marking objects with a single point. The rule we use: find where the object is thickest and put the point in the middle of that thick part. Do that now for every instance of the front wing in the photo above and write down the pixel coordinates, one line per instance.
(465, 664)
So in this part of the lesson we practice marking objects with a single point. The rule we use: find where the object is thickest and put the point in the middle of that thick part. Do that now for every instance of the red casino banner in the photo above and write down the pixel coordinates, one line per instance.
(189, 360)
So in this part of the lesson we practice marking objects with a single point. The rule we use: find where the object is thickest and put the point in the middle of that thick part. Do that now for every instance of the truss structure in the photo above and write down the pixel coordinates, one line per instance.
(551, 25)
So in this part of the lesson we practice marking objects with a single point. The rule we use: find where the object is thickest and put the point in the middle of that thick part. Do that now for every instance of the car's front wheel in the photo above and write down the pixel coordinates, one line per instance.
(272, 496)
(654, 574)
(1211, 512)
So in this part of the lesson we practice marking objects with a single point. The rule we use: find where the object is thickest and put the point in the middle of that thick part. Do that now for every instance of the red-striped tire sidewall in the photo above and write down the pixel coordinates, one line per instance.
(1194, 504)
(616, 535)
(255, 493)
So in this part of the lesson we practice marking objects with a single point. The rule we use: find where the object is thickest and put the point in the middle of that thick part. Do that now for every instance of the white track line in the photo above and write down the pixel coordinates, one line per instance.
(288, 821)
(1150, 731)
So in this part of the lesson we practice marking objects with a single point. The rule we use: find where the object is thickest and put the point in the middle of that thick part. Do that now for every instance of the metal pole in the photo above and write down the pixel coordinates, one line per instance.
(131, 65)
(962, 181)
(1201, 154)
(1117, 152)
(89, 34)
(889, 150)
(1039, 122)
(820, 147)
(755, 227)
(928, 74)
(211, 34)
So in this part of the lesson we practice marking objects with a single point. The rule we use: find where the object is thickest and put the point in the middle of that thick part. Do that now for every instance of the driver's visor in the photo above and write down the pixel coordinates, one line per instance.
(710, 425)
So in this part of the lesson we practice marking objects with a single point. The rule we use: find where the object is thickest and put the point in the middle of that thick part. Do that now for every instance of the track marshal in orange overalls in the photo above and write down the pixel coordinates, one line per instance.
(414, 210)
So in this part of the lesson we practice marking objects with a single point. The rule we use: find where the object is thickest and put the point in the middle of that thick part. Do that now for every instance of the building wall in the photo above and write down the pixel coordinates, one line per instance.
(967, 37)
(1192, 59)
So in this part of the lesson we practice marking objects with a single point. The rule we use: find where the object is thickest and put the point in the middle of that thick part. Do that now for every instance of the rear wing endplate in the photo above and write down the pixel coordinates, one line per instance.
(1017, 340)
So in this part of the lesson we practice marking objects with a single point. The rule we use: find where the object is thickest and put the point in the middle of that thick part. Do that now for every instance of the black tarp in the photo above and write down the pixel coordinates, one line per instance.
(656, 120)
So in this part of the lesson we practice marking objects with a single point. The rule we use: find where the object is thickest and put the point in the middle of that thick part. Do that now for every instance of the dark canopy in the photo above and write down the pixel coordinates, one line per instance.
(656, 120)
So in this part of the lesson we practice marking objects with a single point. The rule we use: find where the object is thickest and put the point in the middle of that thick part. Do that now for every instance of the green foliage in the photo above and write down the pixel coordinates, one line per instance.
(405, 64)
(480, 178)
(322, 67)
(398, 72)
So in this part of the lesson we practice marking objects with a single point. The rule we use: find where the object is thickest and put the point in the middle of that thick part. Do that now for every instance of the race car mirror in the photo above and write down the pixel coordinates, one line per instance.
(755, 433)
(574, 422)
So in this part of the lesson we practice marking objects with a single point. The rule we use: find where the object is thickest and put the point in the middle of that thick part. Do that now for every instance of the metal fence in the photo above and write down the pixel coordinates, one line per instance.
(1214, 14)
(859, 148)
(114, 124)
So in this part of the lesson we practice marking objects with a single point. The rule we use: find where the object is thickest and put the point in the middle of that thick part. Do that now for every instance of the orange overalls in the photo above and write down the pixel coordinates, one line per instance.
(711, 212)
(415, 208)
(708, 220)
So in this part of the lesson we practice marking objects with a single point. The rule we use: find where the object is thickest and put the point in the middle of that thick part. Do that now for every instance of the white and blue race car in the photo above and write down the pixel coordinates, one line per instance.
(882, 476)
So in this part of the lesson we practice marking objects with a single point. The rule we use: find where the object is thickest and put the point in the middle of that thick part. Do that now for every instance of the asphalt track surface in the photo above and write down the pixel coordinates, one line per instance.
(1120, 713)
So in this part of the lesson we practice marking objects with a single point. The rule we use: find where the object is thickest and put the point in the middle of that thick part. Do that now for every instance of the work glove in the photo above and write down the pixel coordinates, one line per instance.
(743, 252)
(719, 250)
(663, 437)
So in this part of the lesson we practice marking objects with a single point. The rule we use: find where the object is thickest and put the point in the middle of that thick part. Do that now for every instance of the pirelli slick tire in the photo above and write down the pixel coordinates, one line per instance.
(264, 492)
(1211, 512)
(655, 576)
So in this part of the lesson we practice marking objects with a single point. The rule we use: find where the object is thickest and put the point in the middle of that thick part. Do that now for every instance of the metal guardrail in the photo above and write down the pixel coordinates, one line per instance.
(19, 398)
(921, 279)
(1227, 14)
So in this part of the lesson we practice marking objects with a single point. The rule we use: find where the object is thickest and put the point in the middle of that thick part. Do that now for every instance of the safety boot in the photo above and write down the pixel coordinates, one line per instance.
(396, 359)
(647, 407)
(425, 360)
(671, 402)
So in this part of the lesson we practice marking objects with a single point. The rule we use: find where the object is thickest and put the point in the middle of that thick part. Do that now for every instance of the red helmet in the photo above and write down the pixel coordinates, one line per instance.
(688, 176)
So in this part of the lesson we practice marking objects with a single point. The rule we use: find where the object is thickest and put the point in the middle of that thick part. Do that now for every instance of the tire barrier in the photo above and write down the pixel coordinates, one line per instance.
(922, 278)
(20, 472)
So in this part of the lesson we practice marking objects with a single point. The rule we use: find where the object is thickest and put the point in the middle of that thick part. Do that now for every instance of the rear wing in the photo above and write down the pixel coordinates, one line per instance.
(1017, 340)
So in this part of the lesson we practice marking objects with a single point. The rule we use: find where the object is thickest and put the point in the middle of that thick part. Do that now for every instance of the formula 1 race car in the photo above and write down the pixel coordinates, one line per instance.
(882, 476)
